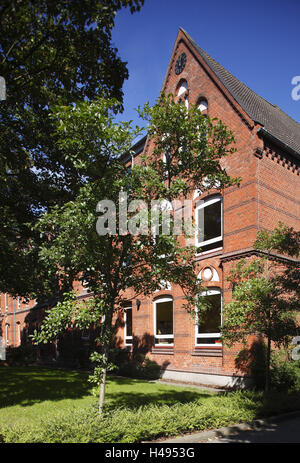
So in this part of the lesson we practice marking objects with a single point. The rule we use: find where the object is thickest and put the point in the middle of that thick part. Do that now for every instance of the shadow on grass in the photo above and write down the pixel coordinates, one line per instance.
(27, 386)
(131, 393)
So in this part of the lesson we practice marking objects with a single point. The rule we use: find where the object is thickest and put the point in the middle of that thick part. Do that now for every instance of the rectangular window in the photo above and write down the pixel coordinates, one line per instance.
(209, 233)
(128, 325)
(163, 321)
(18, 334)
(208, 328)
(7, 333)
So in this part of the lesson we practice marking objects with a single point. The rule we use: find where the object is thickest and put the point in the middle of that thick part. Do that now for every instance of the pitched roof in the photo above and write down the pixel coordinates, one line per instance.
(274, 121)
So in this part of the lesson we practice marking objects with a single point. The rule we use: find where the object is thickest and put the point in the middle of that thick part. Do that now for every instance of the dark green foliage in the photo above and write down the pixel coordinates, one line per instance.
(265, 295)
(140, 367)
(128, 425)
(51, 52)
(285, 374)
(94, 143)
(252, 362)
(21, 355)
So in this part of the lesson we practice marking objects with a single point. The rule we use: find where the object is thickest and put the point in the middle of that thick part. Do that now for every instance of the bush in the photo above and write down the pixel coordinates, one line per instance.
(21, 355)
(148, 422)
(285, 374)
(128, 425)
(141, 367)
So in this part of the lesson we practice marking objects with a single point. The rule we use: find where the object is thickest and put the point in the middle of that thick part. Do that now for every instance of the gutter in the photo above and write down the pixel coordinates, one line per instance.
(264, 133)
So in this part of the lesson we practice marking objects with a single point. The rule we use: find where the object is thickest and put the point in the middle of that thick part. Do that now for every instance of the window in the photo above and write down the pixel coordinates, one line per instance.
(209, 232)
(208, 328)
(18, 333)
(182, 87)
(7, 333)
(182, 93)
(202, 106)
(128, 325)
(163, 321)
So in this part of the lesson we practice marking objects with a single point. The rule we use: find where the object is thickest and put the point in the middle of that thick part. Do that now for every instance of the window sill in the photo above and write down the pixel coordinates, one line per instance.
(199, 254)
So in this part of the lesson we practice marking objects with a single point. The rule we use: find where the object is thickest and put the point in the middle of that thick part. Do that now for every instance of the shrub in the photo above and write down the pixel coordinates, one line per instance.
(285, 374)
(141, 367)
(128, 425)
(148, 422)
(21, 355)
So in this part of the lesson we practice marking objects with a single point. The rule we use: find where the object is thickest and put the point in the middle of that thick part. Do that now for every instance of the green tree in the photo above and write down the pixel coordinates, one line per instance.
(135, 259)
(50, 52)
(266, 296)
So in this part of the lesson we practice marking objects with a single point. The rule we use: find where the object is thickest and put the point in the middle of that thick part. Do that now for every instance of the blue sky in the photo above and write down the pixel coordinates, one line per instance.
(257, 41)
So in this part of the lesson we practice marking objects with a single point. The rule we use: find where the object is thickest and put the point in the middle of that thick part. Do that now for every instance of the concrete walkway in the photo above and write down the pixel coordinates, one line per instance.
(283, 428)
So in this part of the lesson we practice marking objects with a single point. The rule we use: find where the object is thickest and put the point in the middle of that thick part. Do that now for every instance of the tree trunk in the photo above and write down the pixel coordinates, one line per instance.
(107, 326)
(102, 390)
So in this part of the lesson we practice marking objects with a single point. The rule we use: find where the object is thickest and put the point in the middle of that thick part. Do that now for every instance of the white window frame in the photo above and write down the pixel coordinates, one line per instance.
(202, 102)
(18, 333)
(182, 88)
(7, 333)
(208, 292)
(162, 336)
(202, 205)
(127, 338)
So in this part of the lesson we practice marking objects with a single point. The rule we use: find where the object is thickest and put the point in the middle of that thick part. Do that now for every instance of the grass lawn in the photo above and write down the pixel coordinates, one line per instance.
(45, 405)
(29, 394)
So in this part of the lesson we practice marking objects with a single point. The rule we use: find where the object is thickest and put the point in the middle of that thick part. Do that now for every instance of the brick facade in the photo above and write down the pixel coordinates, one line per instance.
(268, 193)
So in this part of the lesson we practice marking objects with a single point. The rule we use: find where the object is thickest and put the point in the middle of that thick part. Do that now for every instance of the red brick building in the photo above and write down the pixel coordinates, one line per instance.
(268, 162)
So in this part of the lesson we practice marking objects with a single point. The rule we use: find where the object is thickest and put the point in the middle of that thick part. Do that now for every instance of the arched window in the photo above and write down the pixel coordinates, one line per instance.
(202, 105)
(128, 325)
(182, 87)
(208, 324)
(209, 226)
(182, 93)
(163, 321)
(18, 333)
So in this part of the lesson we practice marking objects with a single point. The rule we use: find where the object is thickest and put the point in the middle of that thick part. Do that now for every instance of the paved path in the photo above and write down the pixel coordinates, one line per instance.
(285, 432)
(281, 429)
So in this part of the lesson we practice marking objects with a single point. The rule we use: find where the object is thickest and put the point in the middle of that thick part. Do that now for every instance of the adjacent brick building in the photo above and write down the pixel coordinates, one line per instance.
(268, 161)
